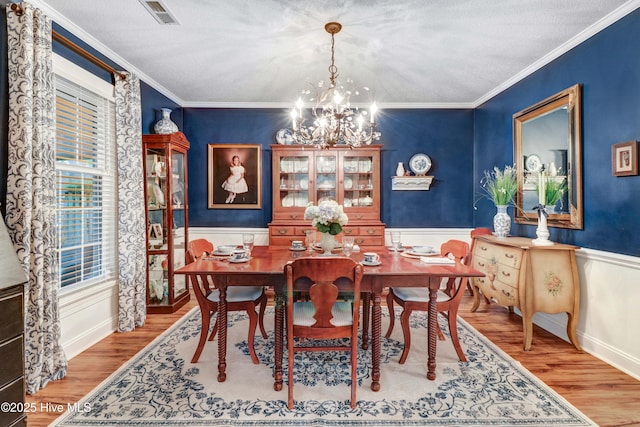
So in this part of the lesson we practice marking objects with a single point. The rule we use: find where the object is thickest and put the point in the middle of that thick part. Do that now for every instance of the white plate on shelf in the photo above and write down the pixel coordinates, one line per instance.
(420, 164)
(288, 201)
(348, 183)
(304, 183)
(301, 200)
(284, 137)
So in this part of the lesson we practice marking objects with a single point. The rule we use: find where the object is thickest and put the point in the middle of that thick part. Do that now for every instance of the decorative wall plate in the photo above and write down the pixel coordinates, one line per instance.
(420, 164)
(284, 137)
(533, 163)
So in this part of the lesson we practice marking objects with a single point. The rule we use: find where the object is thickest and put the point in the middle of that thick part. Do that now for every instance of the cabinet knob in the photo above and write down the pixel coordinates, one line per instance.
(347, 231)
(359, 216)
(370, 231)
(294, 216)
(283, 230)
(359, 241)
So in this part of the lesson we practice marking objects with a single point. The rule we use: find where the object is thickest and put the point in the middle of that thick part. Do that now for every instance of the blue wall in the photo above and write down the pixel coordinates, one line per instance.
(446, 136)
(607, 66)
(461, 144)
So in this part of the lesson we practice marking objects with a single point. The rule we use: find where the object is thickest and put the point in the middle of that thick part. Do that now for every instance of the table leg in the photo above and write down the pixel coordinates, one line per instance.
(432, 328)
(278, 326)
(376, 332)
(366, 312)
(222, 332)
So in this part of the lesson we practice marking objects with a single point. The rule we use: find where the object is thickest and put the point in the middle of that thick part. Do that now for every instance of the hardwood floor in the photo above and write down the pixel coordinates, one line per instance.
(606, 395)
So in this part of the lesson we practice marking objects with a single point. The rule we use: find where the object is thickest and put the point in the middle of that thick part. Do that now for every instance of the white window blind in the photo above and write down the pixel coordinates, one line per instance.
(86, 182)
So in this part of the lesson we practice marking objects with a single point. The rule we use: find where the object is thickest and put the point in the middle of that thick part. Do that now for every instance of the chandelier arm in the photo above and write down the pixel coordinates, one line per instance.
(333, 117)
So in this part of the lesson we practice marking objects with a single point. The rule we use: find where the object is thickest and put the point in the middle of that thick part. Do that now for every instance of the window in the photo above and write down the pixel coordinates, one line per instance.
(86, 176)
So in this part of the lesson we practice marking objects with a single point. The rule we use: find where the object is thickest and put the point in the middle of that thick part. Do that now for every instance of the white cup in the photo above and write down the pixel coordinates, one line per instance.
(371, 258)
(297, 244)
(239, 254)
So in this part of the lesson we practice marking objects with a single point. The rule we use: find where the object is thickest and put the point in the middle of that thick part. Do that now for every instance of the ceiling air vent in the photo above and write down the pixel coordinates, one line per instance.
(159, 11)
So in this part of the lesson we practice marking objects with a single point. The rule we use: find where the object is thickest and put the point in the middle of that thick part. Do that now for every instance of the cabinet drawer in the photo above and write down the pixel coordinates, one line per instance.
(360, 216)
(282, 230)
(282, 240)
(369, 240)
(289, 215)
(508, 275)
(11, 308)
(371, 230)
(11, 367)
(12, 393)
(505, 294)
(502, 254)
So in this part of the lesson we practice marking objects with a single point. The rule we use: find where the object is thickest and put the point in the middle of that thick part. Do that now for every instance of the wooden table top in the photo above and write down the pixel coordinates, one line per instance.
(270, 260)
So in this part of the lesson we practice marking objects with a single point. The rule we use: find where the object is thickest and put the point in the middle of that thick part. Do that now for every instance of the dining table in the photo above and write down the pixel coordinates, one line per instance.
(266, 268)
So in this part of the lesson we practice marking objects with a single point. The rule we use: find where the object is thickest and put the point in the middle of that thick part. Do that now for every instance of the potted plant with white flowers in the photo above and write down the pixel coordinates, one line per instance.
(328, 218)
(500, 186)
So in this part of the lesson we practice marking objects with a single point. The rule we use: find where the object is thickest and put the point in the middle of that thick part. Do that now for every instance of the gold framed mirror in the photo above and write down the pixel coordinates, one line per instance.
(548, 136)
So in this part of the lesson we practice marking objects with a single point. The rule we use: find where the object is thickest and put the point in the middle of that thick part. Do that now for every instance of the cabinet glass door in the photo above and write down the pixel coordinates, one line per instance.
(294, 181)
(157, 221)
(326, 174)
(178, 217)
(358, 181)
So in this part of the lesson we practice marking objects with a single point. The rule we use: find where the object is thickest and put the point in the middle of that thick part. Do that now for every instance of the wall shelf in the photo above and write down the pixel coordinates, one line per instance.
(411, 182)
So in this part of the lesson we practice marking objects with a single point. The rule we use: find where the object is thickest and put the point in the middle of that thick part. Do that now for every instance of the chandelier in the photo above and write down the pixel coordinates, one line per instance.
(334, 121)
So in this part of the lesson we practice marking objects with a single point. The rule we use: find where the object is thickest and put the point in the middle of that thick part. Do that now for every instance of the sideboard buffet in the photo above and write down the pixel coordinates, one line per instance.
(528, 277)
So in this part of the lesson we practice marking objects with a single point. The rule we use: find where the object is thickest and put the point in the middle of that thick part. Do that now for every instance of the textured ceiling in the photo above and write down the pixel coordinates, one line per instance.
(263, 52)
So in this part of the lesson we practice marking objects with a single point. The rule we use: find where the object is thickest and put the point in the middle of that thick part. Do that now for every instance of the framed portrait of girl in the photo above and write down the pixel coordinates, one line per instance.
(234, 176)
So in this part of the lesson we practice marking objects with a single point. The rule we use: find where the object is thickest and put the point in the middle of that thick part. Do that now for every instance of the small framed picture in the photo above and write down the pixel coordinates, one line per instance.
(624, 158)
(234, 175)
(155, 231)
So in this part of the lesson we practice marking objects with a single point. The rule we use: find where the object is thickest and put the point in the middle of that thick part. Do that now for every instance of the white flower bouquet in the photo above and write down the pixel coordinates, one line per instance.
(327, 217)
(500, 186)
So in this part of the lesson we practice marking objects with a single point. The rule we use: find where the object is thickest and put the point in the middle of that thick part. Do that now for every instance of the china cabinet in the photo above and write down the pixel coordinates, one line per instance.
(165, 169)
(531, 278)
(303, 175)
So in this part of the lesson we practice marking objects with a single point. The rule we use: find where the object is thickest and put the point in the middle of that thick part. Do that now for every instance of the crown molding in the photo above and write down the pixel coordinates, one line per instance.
(600, 25)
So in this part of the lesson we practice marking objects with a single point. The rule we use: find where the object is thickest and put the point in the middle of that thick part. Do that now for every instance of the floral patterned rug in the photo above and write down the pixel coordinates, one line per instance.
(160, 386)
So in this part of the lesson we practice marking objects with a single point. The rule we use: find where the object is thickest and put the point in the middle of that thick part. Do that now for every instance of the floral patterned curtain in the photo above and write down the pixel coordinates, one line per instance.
(131, 217)
(31, 184)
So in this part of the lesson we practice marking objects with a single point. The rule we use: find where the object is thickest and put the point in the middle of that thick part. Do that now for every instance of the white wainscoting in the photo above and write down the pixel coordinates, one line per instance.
(609, 313)
(88, 315)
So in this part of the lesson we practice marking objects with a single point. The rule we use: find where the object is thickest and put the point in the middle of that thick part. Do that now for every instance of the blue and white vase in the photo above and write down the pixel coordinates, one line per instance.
(501, 222)
(165, 126)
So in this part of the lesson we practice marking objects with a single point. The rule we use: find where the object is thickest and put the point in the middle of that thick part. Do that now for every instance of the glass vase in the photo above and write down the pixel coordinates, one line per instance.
(501, 222)
(327, 243)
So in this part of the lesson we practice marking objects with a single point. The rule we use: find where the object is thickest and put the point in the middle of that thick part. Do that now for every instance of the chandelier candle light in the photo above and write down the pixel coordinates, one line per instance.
(334, 120)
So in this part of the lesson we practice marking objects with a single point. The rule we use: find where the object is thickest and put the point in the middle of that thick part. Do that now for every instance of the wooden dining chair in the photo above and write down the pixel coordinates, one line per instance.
(239, 298)
(323, 316)
(417, 299)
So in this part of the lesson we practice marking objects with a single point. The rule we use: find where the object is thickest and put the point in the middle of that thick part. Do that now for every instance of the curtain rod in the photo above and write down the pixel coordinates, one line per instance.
(17, 8)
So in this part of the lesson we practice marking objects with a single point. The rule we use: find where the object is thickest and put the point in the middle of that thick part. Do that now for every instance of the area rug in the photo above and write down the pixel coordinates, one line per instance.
(160, 386)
